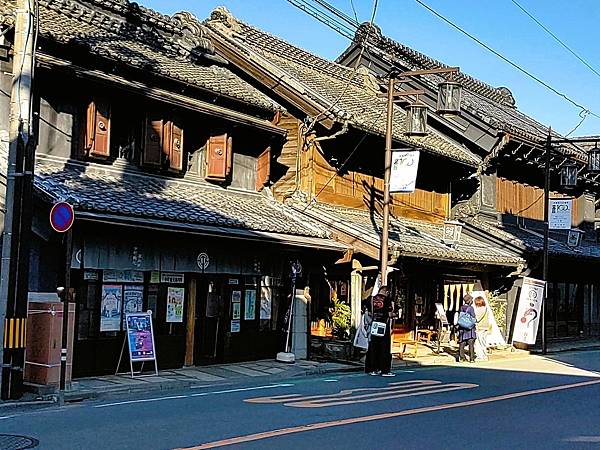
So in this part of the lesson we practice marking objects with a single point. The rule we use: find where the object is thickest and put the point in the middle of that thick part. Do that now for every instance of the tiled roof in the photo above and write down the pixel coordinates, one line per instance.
(495, 106)
(174, 47)
(101, 189)
(413, 238)
(327, 84)
(533, 240)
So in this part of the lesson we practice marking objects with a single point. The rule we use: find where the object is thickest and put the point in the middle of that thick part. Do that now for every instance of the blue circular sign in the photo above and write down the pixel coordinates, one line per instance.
(62, 217)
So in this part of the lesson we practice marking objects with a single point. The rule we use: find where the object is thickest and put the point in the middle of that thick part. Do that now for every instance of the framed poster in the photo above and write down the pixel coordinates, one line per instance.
(235, 326)
(236, 296)
(110, 307)
(140, 336)
(235, 312)
(133, 299)
(250, 305)
(175, 297)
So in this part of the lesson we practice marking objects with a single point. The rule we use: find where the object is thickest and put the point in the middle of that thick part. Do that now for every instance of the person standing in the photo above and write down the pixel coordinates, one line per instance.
(483, 328)
(467, 335)
(379, 356)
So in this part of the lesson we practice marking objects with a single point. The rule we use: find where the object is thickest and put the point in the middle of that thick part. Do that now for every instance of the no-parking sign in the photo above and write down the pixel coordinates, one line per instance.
(62, 217)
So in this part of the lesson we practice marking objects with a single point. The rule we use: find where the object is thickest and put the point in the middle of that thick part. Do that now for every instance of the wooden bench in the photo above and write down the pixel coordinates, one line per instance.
(402, 337)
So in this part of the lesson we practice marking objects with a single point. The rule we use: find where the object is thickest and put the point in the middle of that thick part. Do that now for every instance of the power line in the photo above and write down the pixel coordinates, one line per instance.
(556, 38)
(505, 59)
(325, 19)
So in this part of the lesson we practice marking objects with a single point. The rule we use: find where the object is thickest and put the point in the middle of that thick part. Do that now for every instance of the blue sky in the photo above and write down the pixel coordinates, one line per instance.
(499, 23)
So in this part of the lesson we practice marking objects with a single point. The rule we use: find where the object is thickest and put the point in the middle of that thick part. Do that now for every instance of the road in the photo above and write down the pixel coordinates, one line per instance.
(528, 403)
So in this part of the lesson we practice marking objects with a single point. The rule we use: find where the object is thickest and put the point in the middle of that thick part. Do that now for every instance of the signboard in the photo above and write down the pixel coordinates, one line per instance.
(560, 213)
(528, 312)
(405, 164)
(62, 217)
(250, 305)
(124, 276)
(171, 277)
(175, 304)
(140, 337)
(133, 299)
(154, 277)
(90, 275)
(110, 307)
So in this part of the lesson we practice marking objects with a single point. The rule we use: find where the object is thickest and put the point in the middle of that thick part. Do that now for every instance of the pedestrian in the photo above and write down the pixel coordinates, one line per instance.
(379, 355)
(466, 329)
(483, 328)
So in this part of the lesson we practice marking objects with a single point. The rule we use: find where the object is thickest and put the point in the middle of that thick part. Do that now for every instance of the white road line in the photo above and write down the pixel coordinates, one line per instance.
(6, 417)
(255, 388)
(200, 394)
(330, 381)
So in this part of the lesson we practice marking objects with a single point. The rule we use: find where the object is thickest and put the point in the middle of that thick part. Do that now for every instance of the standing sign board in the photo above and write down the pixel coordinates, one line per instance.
(405, 165)
(531, 302)
(140, 340)
(560, 213)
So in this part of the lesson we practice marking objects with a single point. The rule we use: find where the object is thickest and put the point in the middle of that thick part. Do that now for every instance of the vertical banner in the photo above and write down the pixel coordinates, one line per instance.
(140, 336)
(531, 302)
(110, 307)
(133, 299)
(405, 165)
(560, 214)
(175, 304)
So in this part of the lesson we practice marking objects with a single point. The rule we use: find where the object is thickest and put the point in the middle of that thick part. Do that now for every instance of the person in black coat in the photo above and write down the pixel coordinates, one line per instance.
(379, 356)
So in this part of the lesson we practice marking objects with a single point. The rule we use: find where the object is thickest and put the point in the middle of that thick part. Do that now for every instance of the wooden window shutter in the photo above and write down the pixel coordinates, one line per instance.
(97, 132)
(173, 147)
(263, 169)
(229, 151)
(218, 157)
(153, 141)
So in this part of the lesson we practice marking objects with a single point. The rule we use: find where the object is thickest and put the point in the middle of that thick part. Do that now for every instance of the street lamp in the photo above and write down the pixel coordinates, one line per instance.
(416, 120)
(568, 175)
(568, 179)
(448, 100)
(416, 125)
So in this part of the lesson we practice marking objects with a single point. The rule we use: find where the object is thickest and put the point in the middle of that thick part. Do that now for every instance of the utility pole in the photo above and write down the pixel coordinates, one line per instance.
(386, 179)
(546, 236)
(15, 251)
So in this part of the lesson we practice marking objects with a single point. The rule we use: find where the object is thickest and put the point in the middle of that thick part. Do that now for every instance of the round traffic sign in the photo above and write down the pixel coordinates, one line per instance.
(61, 217)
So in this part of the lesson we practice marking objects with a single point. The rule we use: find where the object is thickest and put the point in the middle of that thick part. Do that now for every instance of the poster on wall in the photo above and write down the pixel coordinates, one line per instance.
(140, 336)
(175, 304)
(235, 315)
(250, 305)
(236, 296)
(235, 326)
(126, 276)
(528, 312)
(110, 307)
(133, 299)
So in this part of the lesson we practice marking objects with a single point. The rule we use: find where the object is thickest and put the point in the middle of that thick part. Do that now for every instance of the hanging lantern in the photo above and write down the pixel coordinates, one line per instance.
(416, 120)
(448, 100)
(568, 175)
(593, 165)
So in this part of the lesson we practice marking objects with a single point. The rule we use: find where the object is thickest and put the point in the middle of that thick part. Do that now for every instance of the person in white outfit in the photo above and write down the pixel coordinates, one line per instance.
(483, 327)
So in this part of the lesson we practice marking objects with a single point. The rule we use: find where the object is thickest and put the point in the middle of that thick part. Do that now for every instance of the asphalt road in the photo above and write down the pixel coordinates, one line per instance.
(529, 403)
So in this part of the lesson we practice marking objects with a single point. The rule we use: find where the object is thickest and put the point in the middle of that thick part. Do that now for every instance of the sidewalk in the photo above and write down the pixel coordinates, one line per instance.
(194, 377)
(570, 344)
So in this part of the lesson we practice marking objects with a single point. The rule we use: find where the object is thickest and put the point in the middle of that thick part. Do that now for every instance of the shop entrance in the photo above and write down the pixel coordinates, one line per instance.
(210, 321)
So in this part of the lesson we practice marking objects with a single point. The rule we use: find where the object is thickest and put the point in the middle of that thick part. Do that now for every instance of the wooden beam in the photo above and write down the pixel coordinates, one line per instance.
(190, 331)
(413, 73)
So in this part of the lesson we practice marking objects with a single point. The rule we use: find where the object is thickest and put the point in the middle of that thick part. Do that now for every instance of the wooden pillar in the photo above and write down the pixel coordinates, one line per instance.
(191, 322)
